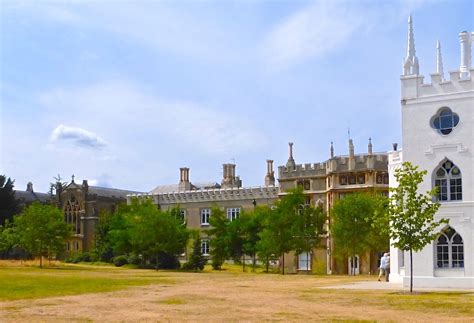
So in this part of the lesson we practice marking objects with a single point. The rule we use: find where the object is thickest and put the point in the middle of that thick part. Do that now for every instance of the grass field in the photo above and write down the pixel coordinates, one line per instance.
(103, 293)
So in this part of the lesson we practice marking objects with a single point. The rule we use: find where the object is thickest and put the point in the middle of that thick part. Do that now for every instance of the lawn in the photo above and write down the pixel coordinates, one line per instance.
(104, 293)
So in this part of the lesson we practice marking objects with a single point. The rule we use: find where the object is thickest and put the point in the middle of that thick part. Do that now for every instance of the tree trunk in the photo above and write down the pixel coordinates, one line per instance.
(41, 261)
(243, 262)
(254, 263)
(411, 271)
(267, 264)
(283, 263)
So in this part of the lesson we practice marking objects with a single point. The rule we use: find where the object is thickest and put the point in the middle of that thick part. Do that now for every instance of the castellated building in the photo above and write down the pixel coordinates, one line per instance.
(438, 136)
(324, 183)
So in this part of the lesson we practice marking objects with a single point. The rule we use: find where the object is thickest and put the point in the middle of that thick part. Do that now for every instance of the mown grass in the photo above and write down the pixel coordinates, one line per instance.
(27, 282)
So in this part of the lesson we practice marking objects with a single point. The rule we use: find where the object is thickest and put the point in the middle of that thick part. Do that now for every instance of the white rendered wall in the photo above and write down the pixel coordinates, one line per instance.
(425, 147)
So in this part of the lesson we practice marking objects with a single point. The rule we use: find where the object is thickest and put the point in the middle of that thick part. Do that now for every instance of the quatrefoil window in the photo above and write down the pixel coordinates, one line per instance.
(445, 121)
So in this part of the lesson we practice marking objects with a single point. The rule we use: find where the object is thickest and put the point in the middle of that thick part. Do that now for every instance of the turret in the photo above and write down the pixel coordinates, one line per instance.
(369, 147)
(290, 164)
(466, 43)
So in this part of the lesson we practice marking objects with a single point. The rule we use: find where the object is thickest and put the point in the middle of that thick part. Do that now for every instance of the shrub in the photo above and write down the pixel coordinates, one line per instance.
(119, 261)
(133, 260)
(167, 261)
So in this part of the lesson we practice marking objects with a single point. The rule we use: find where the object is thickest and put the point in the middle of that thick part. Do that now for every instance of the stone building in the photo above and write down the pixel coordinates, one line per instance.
(197, 199)
(29, 196)
(82, 205)
(438, 136)
(325, 182)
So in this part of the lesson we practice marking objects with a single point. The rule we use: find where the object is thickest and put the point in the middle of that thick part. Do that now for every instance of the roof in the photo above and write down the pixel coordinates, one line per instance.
(110, 192)
(175, 187)
(29, 197)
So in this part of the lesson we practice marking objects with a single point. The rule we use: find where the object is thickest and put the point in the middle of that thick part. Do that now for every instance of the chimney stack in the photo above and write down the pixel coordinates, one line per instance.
(395, 146)
(29, 187)
(332, 150)
(270, 177)
(370, 147)
(351, 149)
(184, 183)
(229, 179)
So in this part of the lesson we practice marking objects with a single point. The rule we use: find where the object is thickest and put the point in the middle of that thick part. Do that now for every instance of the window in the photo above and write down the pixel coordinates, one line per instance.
(205, 214)
(205, 247)
(361, 179)
(449, 250)
(445, 121)
(182, 215)
(305, 185)
(304, 261)
(343, 179)
(352, 179)
(233, 213)
(72, 215)
(448, 181)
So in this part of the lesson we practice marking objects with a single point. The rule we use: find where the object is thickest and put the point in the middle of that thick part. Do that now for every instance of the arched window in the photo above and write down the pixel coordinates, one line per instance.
(445, 121)
(72, 210)
(448, 181)
(449, 250)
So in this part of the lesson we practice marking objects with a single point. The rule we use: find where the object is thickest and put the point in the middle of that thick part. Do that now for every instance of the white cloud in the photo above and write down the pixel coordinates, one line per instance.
(314, 31)
(77, 136)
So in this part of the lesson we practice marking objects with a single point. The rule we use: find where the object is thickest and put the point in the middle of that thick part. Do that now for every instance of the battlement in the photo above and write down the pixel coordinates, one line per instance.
(210, 195)
(413, 86)
(359, 162)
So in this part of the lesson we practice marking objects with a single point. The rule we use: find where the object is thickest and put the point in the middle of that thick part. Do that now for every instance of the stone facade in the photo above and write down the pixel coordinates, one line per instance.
(323, 183)
(82, 205)
(438, 136)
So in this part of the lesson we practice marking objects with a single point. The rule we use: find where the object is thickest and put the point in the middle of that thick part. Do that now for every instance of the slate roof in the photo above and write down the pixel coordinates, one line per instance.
(110, 192)
(29, 197)
(175, 187)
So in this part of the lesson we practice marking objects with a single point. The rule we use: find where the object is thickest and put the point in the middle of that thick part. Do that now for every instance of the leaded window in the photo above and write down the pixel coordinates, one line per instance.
(72, 215)
(449, 250)
(233, 213)
(205, 214)
(448, 181)
(445, 121)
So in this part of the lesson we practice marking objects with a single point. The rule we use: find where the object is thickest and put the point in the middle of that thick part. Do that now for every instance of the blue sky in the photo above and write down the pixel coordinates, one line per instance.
(124, 93)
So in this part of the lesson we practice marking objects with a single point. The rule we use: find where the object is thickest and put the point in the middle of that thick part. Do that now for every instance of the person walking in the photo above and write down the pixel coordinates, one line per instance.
(384, 264)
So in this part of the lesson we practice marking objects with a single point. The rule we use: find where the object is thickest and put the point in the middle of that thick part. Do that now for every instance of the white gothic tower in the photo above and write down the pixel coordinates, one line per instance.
(438, 136)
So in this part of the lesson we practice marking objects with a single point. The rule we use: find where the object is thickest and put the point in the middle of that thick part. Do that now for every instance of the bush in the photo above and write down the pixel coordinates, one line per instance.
(119, 261)
(167, 261)
(79, 257)
(133, 260)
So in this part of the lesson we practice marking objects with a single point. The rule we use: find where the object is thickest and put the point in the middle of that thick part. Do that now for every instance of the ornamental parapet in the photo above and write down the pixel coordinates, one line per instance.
(210, 195)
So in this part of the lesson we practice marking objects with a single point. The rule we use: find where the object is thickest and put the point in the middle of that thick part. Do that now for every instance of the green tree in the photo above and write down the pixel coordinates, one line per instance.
(280, 232)
(354, 224)
(219, 233)
(103, 247)
(8, 238)
(412, 224)
(42, 231)
(142, 229)
(197, 260)
(252, 224)
(309, 227)
(9, 205)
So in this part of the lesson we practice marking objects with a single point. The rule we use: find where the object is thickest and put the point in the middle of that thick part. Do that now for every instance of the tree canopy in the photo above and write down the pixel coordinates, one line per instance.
(9, 205)
(42, 231)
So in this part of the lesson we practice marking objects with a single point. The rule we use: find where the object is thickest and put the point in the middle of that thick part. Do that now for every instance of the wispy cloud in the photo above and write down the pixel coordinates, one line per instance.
(77, 136)
(198, 126)
(313, 31)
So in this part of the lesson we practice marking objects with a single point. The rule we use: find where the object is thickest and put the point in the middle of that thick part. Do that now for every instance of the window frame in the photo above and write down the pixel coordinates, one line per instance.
(205, 247)
(233, 213)
(449, 185)
(445, 251)
(205, 214)
(436, 122)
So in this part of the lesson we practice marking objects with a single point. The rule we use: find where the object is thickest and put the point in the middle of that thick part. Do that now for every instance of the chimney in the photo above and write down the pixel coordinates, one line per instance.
(270, 177)
(466, 43)
(184, 183)
(290, 164)
(395, 146)
(370, 147)
(332, 150)
(29, 187)
(228, 179)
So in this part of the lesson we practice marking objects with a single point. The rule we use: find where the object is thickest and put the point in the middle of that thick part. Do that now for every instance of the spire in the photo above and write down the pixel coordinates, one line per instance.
(466, 43)
(332, 150)
(351, 149)
(439, 61)
(410, 65)
(370, 146)
(291, 162)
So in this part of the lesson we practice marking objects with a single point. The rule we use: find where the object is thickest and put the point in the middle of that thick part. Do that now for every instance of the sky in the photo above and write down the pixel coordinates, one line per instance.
(124, 93)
